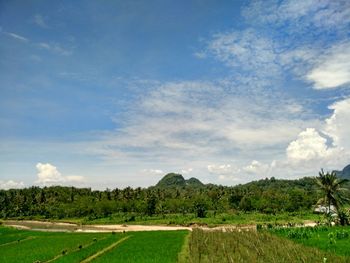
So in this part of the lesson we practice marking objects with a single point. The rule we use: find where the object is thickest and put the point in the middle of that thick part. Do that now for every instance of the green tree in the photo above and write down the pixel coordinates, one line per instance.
(332, 188)
(151, 205)
(200, 207)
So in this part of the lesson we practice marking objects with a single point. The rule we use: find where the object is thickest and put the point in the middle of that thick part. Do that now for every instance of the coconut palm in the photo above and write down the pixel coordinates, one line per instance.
(332, 188)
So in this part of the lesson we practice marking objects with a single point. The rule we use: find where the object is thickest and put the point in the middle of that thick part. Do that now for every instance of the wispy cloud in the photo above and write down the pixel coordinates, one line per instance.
(201, 122)
(55, 48)
(299, 16)
(246, 51)
(17, 37)
(40, 21)
(332, 69)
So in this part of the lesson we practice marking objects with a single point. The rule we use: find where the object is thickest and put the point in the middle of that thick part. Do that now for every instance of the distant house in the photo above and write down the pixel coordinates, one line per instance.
(325, 209)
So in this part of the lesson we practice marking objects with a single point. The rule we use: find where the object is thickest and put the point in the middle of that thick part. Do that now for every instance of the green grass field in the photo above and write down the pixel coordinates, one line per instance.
(331, 239)
(33, 246)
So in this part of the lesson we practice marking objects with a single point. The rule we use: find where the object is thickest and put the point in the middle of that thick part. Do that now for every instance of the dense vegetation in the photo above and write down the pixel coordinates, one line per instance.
(172, 195)
(153, 246)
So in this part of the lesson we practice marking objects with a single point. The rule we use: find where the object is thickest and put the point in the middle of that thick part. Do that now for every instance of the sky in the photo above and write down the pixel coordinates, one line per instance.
(108, 94)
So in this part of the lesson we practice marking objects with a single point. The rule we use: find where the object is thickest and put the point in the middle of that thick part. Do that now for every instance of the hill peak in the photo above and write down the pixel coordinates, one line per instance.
(345, 173)
(177, 180)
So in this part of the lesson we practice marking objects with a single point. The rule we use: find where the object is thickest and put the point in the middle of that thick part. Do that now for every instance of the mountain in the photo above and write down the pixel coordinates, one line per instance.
(345, 173)
(177, 180)
(194, 182)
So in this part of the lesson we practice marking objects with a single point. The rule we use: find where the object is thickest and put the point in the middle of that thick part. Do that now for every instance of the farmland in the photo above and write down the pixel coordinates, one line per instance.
(335, 240)
(34, 246)
(230, 245)
(251, 246)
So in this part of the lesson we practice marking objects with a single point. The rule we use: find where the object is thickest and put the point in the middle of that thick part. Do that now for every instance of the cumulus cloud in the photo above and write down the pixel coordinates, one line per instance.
(326, 147)
(48, 174)
(10, 184)
(338, 124)
(333, 70)
(257, 168)
(309, 145)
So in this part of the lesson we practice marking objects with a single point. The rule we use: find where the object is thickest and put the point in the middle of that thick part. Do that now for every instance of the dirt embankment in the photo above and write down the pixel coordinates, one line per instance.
(70, 227)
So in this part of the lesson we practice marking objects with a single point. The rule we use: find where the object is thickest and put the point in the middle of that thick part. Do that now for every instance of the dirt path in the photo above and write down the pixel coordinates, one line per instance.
(70, 227)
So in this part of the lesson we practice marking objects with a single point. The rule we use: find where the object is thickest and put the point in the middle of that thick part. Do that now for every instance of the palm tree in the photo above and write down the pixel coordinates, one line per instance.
(332, 188)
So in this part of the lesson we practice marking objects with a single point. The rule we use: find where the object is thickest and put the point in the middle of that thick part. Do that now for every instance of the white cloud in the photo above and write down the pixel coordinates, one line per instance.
(153, 171)
(338, 124)
(75, 178)
(222, 169)
(194, 120)
(327, 147)
(49, 175)
(187, 171)
(333, 70)
(309, 145)
(257, 168)
(10, 184)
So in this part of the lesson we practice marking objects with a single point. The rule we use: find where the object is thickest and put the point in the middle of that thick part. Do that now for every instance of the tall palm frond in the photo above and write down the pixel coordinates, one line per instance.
(332, 188)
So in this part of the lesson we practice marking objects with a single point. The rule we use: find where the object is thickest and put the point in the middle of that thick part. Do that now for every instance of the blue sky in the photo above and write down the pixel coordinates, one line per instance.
(117, 93)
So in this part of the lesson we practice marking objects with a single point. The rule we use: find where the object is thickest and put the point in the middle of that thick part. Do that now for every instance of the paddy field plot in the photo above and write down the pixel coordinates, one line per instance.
(33, 246)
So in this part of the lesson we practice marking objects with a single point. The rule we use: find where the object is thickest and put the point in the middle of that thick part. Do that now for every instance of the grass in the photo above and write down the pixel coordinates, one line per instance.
(211, 219)
(251, 246)
(144, 247)
(331, 239)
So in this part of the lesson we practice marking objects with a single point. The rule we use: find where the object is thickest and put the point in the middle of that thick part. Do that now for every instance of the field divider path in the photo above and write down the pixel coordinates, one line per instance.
(99, 253)
(16, 241)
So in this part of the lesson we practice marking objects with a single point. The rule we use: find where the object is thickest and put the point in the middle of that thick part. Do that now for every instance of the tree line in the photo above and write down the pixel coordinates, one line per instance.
(56, 202)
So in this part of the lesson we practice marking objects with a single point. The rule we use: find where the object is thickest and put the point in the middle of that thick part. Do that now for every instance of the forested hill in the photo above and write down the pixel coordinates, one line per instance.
(345, 173)
(177, 180)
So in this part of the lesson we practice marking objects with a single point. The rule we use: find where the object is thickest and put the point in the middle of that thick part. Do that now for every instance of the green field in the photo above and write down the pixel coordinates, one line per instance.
(33, 246)
(273, 245)
(335, 240)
